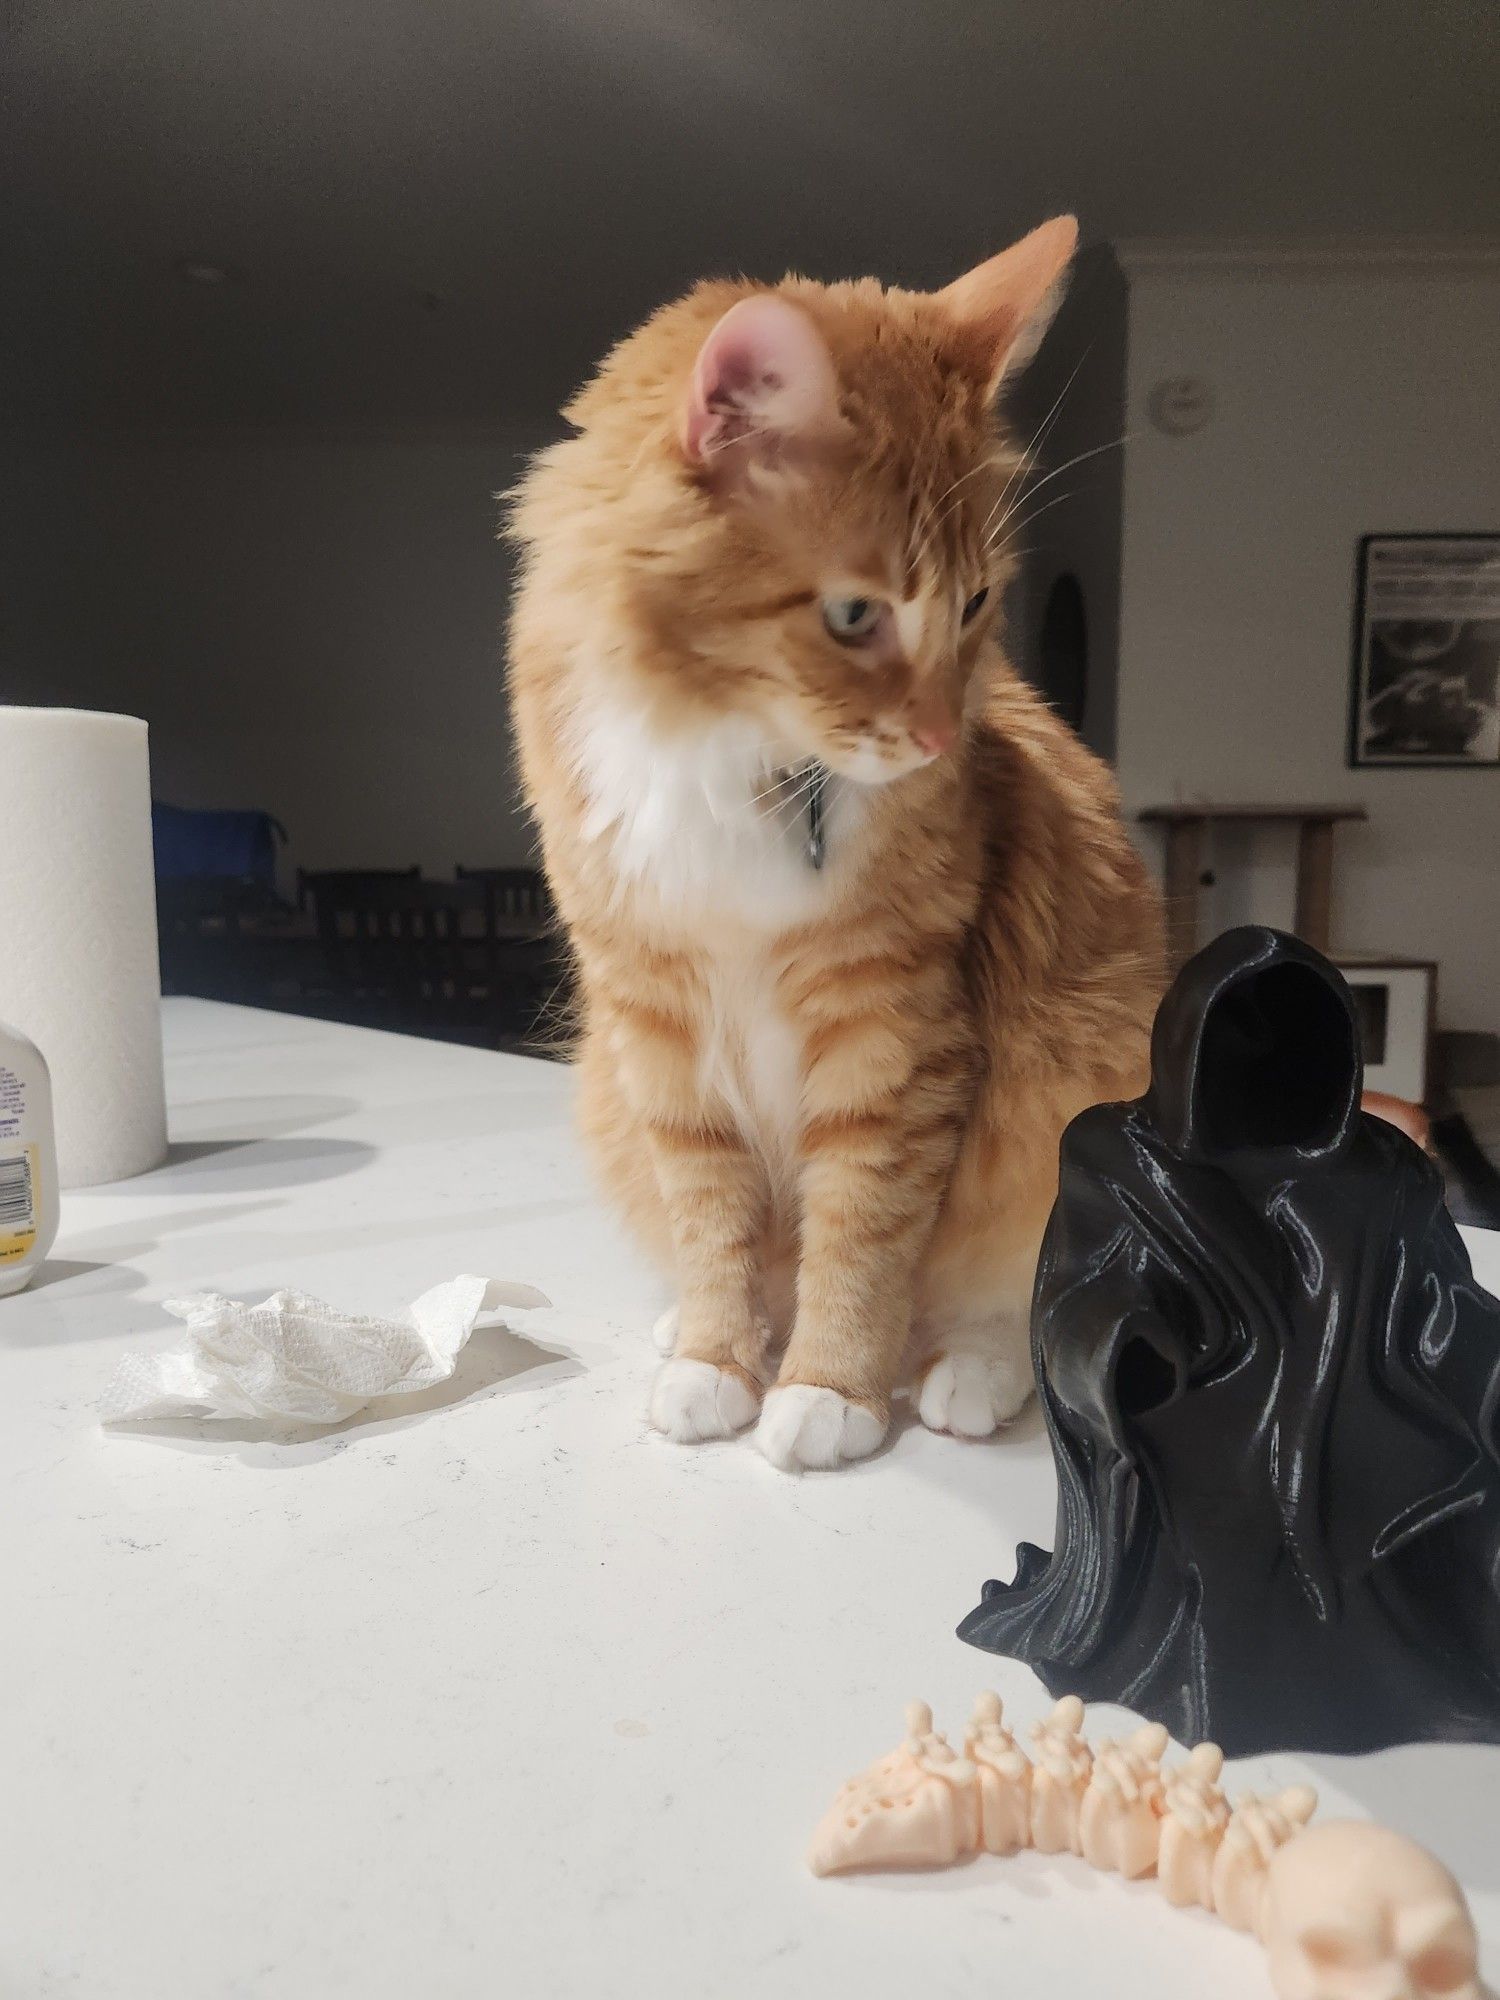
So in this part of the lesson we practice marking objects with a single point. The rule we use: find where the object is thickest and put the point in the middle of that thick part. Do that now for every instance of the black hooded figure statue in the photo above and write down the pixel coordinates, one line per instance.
(1273, 1392)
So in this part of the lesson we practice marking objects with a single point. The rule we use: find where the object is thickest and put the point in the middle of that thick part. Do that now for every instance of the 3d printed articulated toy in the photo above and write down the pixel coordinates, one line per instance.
(1343, 1909)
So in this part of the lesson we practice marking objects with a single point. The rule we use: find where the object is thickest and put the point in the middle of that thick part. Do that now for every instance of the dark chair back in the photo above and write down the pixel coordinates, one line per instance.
(204, 930)
(341, 882)
(521, 895)
(431, 958)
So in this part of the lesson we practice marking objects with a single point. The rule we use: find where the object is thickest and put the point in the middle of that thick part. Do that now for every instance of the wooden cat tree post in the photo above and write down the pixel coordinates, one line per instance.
(1185, 827)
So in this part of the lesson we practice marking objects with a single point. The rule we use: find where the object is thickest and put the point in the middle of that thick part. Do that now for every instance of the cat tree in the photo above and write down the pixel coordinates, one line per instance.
(1186, 826)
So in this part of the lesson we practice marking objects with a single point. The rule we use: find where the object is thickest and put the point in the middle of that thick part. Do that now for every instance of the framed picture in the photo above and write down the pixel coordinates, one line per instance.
(1395, 1000)
(1426, 675)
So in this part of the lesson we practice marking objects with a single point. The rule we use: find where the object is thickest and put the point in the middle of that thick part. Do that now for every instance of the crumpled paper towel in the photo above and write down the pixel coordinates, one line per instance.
(298, 1360)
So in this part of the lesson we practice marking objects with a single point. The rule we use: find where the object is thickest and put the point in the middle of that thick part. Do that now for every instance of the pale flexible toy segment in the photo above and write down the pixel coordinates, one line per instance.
(1062, 1766)
(1256, 1830)
(1004, 1775)
(1347, 1910)
(917, 1808)
(1195, 1815)
(1353, 1910)
(1119, 1821)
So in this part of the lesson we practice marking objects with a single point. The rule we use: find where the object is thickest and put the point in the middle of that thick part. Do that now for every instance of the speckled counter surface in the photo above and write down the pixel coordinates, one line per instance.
(500, 1695)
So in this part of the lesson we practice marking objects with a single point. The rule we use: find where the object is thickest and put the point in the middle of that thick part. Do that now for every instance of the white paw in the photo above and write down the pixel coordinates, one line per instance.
(664, 1333)
(973, 1394)
(693, 1400)
(802, 1427)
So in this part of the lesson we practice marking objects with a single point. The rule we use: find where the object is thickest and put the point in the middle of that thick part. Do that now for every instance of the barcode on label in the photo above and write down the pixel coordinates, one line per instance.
(15, 1192)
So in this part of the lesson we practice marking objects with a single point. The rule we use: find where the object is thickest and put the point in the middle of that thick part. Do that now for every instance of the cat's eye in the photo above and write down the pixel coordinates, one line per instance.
(976, 604)
(850, 619)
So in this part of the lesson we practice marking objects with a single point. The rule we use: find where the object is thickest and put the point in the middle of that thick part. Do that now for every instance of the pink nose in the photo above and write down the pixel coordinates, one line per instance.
(935, 737)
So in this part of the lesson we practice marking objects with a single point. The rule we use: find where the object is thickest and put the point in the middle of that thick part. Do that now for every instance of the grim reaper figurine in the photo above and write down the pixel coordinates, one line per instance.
(1273, 1392)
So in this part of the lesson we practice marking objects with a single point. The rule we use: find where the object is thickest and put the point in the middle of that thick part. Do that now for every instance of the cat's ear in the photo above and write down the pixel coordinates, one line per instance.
(1001, 308)
(763, 383)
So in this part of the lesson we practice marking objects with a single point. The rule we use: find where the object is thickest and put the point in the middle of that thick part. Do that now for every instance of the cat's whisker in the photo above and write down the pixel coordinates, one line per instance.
(936, 512)
(1014, 524)
(982, 466)
(1025, 465)
(1048, 423)
(749, 805)
(798, 776)
(1027, 460)
(736, 437)
(1080, 458)
(788, 811)
(800, 795)
(1014, 514)
(800, 779)
(998, 548)
(919, 540)
(778, 795)
(985, 464)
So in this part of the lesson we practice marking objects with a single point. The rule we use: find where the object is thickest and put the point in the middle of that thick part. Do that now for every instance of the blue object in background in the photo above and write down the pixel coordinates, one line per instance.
(239, 846)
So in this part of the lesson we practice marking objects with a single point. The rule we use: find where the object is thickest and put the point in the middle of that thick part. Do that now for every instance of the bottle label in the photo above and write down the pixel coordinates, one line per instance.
(17, 1204)
(12, 1107)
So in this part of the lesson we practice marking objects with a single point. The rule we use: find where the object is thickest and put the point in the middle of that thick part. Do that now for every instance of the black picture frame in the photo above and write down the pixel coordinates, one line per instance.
(1461, 726)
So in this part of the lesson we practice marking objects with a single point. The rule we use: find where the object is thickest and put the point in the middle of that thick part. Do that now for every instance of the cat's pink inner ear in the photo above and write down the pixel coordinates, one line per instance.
(1002, 307)
(764, 377)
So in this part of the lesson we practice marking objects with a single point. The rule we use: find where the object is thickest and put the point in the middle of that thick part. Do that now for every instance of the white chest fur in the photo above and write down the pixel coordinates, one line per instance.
(698, 824)
(689, 827)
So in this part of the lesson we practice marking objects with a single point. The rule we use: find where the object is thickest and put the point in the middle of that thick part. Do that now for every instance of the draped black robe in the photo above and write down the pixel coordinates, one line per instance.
(1273, 1391)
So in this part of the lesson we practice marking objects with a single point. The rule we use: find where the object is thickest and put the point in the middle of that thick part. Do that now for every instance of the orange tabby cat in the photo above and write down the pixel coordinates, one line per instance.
(857, 926)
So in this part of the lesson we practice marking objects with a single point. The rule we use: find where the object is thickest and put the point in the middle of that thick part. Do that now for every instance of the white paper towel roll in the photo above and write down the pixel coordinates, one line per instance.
(78, 962)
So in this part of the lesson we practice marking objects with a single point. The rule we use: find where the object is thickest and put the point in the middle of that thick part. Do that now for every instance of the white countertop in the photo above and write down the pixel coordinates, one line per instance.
(503, 1696)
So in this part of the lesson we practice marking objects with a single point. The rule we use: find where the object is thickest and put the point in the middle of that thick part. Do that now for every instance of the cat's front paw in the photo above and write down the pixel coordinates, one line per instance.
(692, 1401)
(972, 1395)
(803, 1428)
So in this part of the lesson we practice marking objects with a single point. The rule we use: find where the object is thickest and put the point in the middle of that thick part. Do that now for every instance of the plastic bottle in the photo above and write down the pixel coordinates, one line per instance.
(28, 1161)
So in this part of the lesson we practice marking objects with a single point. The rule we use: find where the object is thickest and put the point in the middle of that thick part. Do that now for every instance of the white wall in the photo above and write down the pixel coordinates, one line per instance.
(1349, 399)
(314, 625)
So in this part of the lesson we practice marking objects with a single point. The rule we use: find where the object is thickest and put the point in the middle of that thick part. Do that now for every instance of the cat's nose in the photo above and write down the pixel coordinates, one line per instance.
(935, 734)
(932, 721)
